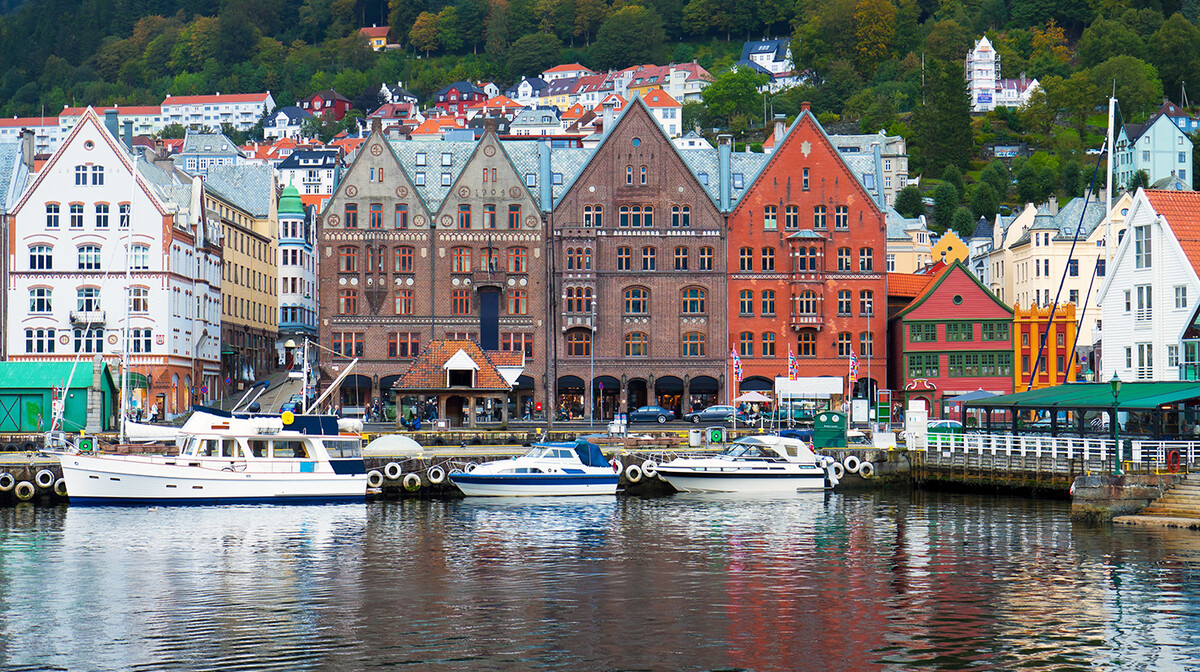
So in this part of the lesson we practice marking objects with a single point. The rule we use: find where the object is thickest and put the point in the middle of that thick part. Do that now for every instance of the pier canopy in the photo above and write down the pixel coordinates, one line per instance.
(1159, 409)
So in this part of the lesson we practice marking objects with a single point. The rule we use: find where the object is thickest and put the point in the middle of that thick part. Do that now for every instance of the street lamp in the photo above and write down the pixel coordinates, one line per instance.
(1115, 384)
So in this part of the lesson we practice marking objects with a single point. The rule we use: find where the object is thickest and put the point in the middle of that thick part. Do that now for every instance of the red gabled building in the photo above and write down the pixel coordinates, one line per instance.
(806, 266)
(954, 338)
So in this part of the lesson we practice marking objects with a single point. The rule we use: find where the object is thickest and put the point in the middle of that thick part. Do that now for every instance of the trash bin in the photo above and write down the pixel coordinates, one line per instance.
(829, 430)
(695, 438)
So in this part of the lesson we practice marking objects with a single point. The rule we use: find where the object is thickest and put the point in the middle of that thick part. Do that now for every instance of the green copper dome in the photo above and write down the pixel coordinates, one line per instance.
(290, 203)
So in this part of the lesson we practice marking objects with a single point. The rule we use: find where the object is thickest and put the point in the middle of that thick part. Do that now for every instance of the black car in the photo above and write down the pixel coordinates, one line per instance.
(715, 414)
(651, 413)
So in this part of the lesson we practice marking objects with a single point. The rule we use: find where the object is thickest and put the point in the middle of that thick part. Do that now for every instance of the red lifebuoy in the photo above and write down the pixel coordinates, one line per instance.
(1173, 461)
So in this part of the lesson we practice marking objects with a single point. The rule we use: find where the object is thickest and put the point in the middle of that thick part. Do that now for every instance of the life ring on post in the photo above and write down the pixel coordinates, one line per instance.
(374, 478)
(412, 482)
(44, 479)
(7, 481)
(25, 491)
(633, 473)
(392, 471)
(1173, 461)
(436, 475)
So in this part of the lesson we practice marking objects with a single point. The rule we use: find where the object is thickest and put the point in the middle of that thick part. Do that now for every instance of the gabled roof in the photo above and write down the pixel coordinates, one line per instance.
(293, 113)
(328, 94)
(907, 285)
(30, 122)
(218, 98)
(1181, 209)
(937, 281)
(660, 99)
(128, 109)
(310, 157)
(250, 187)
(571, 67)
(464, 87)
(777, 48)
(375, 31)
(209, 143)
(428, 369)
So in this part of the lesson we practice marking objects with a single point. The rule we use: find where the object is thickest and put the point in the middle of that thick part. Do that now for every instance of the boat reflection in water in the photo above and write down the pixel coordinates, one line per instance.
(829, 581)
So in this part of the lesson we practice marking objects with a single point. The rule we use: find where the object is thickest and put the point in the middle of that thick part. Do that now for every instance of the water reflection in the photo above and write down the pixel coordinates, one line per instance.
(816, 581)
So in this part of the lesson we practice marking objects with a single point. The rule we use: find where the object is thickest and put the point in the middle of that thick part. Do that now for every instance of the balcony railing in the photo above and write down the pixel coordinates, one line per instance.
(87, 317)
(807, 320)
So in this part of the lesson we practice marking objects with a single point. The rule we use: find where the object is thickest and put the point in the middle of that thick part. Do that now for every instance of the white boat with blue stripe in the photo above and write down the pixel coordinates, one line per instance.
(762, 464)
(231, 458)
(578, 468)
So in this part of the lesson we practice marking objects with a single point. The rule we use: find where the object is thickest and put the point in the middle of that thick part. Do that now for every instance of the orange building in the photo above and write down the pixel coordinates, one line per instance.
(1056, 364)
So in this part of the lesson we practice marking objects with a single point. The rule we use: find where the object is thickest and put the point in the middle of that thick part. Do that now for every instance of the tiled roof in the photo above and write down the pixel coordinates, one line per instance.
(427, 372)
(507, 357)
(1181, 209)
(219, 98)
(433, 192)
(32, 121)
(907, 285)
(660, 98)
(375, 31)
(250, 187)
(571, 67)
(129, 109)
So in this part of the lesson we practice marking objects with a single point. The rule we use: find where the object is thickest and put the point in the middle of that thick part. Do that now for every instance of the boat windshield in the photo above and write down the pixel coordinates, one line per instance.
(343, 448)
(551, 452)
(747, 450)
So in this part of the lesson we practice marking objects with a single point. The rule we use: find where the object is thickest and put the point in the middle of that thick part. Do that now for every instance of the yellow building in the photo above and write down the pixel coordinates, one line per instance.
(950, 248)
(241, 199)
(1054, 360)
(909, 243)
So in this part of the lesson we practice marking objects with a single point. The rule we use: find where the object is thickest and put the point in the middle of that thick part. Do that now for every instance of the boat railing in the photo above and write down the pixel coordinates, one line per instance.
(270, 465)
(1060, 447)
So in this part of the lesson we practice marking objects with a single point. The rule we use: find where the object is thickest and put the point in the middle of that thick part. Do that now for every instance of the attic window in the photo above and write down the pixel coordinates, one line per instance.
(531, 179)
(557, 177)
(703, 179)
(447, 158)
(737, 180)
(420, 158)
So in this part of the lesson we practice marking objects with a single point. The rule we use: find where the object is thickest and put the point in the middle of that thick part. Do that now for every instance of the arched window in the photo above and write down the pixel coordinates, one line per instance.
(866, 344)
(746, 303)
(39, 300)
(41, 258)
(746, 344)
(844, 302)
(866, 302)
(598, 216)
(574, 258)
(693, 300)
(866, 259)
(806, 303)
(768, 258)
(141, 257)
(460, 260)
(347, 259)
(637, 301)
(844, 259)
(791, 221)
(818, 217)
(404, 301)
(347, 302)
(579, 343)
(87, 299)
(681, 258)
(746, 259)
(649, 258)
(637, 344)
(648, 216)
(806, 259)
(693, 344)
(623, 216)
(841, 218)
(705, 259)
(624, 258)
(628, 174)
(643, 175)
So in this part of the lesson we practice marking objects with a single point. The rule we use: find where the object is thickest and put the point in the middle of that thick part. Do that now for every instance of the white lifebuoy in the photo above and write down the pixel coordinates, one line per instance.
(412, 482)
(436, 475)
(25, 491)
(866, 470)
(7, 481)
(472, 467)
(650, 469)
(839, 472)
(60, 487)
(44, 478)
(851, 463)
(633, 473)
(374, 478)
(392, 471)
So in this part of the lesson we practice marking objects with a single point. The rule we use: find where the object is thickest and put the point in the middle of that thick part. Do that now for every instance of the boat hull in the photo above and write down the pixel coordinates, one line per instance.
(108, 480)
(692, 480)
(534, 485)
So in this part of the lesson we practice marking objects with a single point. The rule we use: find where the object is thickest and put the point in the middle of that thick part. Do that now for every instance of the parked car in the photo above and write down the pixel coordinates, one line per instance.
(715, 414)
(947, 426)
(651, 413)
(290, 406)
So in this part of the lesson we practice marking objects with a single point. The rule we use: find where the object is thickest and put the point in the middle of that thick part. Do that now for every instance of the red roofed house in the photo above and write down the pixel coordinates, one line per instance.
(320, 103)
(467, 383)
(667, 110)
(240, 110)
(46, 132)
(1151, 291)
(398, 114)
(376, 36)
(569, 71)
(954, 338)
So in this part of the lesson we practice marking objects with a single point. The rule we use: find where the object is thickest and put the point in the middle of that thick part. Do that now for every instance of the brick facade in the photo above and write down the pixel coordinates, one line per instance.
(825, 268)
(659, 332)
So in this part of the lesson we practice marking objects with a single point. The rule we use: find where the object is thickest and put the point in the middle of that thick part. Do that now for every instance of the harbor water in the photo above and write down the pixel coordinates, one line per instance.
(871, 581)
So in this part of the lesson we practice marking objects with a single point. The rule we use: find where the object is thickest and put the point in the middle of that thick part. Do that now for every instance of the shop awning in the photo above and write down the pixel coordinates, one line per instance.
(1134, 395)
(668, 384)
(703, 385)
(137, 380)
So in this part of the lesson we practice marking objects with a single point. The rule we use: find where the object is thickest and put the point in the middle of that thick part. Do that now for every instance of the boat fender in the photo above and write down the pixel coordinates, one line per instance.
(29, 447)
(44, 478)
(374, 478)
(650, 469)
(11, 448)
(830, 477)
(472, 467)
(436, 475)
(633, 473)
(838, 471)
(412, 482)
(851, 463)
(7, 481)
(615, 465)
(866, 470)
(392, 471)
(25, 491)
(60, 487)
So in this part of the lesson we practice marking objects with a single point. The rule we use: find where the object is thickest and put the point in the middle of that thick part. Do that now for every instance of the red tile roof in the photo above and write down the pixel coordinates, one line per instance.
(427, 372)
(375, 31)
(1181, 209)
(128, 109)
(30, 121)
(659, 98)
(570, 67)
(907, 284)
(219, 98)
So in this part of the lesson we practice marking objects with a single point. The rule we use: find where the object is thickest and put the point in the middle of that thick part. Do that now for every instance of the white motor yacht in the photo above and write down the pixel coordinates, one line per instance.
(763, 463)
(231, 457)
(578, 468)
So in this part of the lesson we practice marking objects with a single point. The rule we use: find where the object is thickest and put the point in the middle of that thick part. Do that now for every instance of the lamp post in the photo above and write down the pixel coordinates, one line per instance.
(1115, 384)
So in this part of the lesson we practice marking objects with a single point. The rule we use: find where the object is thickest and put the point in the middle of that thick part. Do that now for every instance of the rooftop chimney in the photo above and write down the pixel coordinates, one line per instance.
(129, 134)
(725, 148)
(804, 107)
(609, 109)
(27, 148)
(110, 122)
(779, 129)
(376, 125)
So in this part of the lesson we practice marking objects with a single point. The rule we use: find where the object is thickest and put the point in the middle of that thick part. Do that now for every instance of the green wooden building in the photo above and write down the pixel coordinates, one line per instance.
(27, 390)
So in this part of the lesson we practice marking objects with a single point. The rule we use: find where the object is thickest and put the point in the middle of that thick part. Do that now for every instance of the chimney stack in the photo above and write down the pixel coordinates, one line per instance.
(609, 106)
(779, 129)
(27, 148)
(804, 107)
(129, 134)
(725, 151)
(110, 122)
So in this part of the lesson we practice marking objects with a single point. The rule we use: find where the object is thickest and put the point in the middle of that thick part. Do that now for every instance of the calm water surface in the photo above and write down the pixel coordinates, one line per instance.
(822, 582)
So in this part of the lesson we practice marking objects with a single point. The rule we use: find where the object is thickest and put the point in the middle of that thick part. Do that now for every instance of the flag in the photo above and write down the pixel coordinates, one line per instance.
(791, 364)
(853, 367)
(737, 366)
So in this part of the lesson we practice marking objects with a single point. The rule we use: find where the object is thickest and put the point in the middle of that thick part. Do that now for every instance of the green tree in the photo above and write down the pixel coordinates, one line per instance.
(701, 17)
(996, 174)
(695, 115)
(909, 202)
(945, 202)
(424, 32)
(589, 14)
(1071, 179)
(1175, 51)
(963, 222)
(533, 54)
(1139, 179)
(496, 32)
(629, 36)
(449, 35)
(943, 124)
(953, 176)
(472, 17)
(733, 92)
(985, 202)
(874, 32)
(1137, 83)
(1106, 38)
(947, 41)
(402, 14)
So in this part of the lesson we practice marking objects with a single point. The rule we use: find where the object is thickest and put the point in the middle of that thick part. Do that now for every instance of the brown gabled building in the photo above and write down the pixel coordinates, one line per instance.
(466, 383)
(638, 278)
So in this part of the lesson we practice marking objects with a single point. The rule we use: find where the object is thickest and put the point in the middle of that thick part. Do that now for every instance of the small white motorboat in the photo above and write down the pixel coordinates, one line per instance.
(230, 458)
(764, 463)
(578, 468)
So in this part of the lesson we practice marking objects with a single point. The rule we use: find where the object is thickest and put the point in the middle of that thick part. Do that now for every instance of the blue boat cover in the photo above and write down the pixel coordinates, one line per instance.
(590, 454)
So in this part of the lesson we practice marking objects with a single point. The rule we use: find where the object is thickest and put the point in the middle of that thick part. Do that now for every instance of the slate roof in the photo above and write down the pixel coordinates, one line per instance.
(294, 114)
(11, 171)
(1182, 212)
(1066, 221)
(705, 165)
(250, 187)
(426, 372)
(983, 229)
(536, 117)
(328, 159)
(432, 193)
(776, 47)
(898, 225)
(209, 143)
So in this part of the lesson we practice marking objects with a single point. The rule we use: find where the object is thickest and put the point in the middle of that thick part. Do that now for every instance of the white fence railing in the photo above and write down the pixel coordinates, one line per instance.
(1069, 448)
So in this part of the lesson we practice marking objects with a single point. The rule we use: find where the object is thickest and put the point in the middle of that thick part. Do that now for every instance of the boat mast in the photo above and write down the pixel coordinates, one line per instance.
(128, 295)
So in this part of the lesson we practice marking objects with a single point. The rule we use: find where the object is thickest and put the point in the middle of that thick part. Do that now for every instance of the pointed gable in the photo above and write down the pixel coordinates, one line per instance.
(504, 186)
(956, 291)
(376, 175)
(429, 371)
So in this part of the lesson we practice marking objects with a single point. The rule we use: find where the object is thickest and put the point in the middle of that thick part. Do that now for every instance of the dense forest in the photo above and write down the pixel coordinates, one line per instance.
(877, 64)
